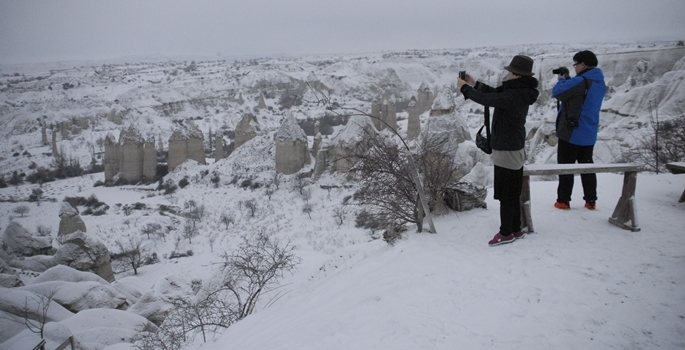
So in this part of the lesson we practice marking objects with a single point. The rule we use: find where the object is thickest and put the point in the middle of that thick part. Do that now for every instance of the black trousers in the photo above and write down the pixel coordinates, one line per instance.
(568, 153)
(508, 184)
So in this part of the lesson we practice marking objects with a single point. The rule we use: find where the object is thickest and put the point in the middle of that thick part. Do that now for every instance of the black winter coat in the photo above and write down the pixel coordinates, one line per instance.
(511, 101)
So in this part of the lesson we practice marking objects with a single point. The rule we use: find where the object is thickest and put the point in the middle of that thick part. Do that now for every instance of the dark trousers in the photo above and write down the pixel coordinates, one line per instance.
(569, 153)
(508, 185)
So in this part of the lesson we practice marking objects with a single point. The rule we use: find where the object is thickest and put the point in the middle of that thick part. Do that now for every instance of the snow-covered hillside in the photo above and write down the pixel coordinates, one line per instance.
(157, 96)
(579, 283)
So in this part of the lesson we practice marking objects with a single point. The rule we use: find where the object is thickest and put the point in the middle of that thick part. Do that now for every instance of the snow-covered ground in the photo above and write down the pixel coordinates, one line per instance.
(578, 283)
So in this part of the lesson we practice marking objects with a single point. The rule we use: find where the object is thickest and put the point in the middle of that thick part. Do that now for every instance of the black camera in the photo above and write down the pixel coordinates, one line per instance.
(561, 70)
(462, 75)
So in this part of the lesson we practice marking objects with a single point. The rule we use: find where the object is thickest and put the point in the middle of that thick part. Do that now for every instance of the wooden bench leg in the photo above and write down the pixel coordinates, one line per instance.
(626, 211)
(526, 217)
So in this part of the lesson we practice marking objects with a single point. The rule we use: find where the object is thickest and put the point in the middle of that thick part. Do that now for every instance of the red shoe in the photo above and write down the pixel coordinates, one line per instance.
(499, 239)
(518, 235)
(591, 205)
(562, 205)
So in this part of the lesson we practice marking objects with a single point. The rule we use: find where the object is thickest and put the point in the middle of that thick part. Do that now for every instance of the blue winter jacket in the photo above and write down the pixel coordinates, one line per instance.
(576, 104)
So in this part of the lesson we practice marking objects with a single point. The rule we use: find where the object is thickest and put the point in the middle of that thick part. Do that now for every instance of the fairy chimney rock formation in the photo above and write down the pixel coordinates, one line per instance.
(116, 115)
(389, 114)
(79, 250)
(291, 147)
(261, 104)
(149, 159)
(131, 158)
(317, 139)
(340, 148)
(54, 141)
(111, 161)
(43, 131)
(425, 98)
(218, 148)
(413, 122)
(376, 113)
(186, 143)
(246, 130)
(443, 103)
(131, 151)
(70, 220)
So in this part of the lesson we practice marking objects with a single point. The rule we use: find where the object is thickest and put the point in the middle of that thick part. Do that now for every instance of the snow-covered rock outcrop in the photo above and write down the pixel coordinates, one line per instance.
(19, 241)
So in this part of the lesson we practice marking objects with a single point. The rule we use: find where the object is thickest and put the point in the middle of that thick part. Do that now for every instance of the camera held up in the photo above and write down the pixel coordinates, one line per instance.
(561, 71)
(462, 75)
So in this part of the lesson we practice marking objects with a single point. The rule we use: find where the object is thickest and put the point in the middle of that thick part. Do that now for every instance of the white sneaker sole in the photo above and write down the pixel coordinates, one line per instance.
(502, 242)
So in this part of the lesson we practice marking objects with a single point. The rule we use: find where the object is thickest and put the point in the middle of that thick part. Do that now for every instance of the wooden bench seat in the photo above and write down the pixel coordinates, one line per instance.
(677, 168)
(625, 213)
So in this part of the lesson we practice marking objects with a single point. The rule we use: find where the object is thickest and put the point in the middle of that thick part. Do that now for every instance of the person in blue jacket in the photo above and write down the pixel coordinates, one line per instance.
(577, 124)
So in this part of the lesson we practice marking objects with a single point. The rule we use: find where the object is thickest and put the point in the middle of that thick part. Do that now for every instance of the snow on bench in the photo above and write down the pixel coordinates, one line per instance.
(625, 213)
(677, 168)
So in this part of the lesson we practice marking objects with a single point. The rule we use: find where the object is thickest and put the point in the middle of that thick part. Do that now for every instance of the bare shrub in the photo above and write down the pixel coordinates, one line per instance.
(255, 267)
(392, 234)
(130, 252)
(250, 205)
(663, 143)
(339, 213)
(152, 229)
(21, 210)
(307, 209)
(366, 220)
(216, 179)
(300, 184)
(269, 192)
(388, 188)
(151, 337)
(193, 211)
(34, 312)
(190, 230)
(43, 230)
(227, 219)
(36, 195)
(247, 273)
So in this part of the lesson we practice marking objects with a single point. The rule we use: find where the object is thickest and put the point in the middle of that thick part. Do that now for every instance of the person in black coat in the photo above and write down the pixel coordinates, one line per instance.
(511, 101)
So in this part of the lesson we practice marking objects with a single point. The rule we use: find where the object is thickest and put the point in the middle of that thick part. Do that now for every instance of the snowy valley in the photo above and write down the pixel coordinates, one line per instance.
(579, 283)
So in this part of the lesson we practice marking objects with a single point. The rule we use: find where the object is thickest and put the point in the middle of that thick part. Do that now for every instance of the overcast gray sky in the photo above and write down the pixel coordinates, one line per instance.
(54, 30)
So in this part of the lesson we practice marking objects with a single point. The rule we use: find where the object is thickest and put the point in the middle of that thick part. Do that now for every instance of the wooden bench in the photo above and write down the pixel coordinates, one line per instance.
(677, 168)
(624, 216)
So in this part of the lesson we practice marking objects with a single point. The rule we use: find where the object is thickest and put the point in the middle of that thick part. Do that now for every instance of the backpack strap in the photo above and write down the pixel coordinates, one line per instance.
(487, 122)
